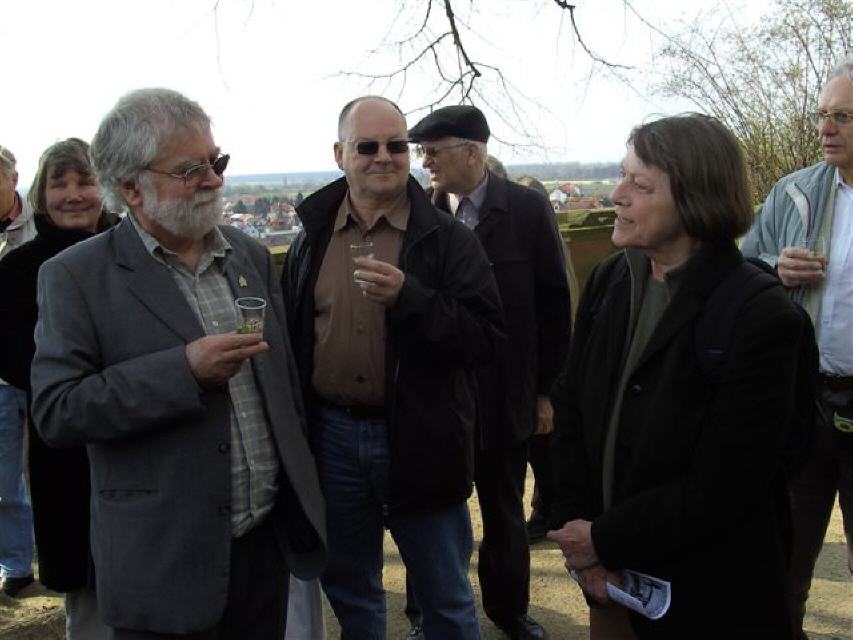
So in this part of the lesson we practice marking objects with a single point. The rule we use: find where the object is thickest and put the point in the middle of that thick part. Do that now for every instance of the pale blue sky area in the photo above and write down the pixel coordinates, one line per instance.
(267, 70)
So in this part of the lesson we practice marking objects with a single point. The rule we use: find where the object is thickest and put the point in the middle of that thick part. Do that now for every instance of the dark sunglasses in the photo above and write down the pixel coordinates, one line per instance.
(195, 173)
(371, 147)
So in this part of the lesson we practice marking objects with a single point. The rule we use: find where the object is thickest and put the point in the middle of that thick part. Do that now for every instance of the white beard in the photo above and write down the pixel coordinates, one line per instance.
(192, 219)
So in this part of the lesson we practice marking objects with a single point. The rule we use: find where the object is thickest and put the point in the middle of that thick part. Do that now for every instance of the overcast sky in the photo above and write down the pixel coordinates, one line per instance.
(268, 71)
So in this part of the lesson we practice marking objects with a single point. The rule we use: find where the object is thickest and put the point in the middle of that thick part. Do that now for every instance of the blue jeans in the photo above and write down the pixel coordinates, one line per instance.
(16, 514)
(435, 545)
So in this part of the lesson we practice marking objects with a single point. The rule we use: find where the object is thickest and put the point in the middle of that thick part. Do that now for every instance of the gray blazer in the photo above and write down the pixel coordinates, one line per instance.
(110, 371)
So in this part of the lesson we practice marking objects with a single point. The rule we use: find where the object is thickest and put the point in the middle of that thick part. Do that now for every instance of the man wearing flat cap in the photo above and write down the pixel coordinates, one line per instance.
(516, 227)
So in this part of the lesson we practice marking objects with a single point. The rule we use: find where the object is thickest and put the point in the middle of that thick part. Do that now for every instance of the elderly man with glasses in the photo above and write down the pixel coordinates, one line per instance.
(517, 230)
(16, 514)
(805, 231)
(392, 306)
(204, 491)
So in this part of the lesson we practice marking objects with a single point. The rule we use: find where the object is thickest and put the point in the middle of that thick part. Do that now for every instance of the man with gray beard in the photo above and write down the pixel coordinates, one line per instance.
(204, 491)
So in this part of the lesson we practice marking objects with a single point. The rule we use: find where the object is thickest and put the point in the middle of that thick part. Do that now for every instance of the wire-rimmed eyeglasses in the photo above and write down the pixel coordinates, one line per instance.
(839, 118)
(432, 151)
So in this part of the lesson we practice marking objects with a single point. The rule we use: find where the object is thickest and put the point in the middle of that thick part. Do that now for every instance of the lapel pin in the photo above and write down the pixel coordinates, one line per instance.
(242, 281)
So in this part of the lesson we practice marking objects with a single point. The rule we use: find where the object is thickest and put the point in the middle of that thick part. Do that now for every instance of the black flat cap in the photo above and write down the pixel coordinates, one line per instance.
(460, 121)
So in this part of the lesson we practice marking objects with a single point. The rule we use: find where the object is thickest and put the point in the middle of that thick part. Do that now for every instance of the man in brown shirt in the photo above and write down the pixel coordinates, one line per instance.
(349, 348)
(387, 346)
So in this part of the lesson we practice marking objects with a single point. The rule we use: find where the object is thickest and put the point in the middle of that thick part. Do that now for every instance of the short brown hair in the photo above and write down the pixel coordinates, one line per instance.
(66, 155)
(707, 173)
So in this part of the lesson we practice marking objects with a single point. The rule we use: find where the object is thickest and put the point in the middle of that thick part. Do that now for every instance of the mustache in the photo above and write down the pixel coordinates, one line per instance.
(199, 199)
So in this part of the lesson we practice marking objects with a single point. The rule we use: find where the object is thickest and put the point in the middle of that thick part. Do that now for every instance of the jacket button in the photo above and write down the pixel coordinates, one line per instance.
(224, 511)
(636, 388)
(224, 447)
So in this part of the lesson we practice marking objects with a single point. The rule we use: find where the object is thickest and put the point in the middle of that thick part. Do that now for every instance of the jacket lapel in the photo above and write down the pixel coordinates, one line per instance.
(680, 312)
(152, 284)
(706, 270)
(495, 206)
(244, 280)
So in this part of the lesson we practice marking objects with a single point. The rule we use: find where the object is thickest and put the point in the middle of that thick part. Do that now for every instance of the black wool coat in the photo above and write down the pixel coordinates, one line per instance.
(518, 232)
(59, 479)
(699, 493)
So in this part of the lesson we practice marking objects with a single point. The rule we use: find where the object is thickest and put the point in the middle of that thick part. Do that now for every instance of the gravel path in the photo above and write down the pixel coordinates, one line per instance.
(555, 600)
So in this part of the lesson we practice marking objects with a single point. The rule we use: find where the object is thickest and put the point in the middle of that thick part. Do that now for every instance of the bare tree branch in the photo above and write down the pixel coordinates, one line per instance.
(440, 48)
(565, 6)
(761, 82)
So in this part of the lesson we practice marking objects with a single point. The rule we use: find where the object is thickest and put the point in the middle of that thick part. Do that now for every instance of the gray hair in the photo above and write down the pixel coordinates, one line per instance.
(482, 150)
(843, 68)
(132, 134)
(349, 106)
(7, 161)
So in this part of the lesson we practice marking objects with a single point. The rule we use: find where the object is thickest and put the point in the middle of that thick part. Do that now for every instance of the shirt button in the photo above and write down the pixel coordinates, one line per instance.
(359, 328)
(359, 379)
(223, 447)
(636, 388)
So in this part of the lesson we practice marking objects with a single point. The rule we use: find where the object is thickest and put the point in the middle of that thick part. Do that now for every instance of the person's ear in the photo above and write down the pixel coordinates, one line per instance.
(131, 193)
(339, 155)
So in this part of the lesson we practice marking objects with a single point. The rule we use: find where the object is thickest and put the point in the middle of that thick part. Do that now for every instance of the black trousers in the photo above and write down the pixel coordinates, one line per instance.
(256, 608)
(827, 472)
(504, 555)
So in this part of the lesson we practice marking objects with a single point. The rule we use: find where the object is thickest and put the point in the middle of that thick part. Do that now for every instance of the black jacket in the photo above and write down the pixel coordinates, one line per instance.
(59, 479)
(699, 495)
(519, 234)
(444, 324)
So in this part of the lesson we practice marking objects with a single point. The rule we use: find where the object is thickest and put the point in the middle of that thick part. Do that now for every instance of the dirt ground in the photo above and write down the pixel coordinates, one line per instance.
(555, 600)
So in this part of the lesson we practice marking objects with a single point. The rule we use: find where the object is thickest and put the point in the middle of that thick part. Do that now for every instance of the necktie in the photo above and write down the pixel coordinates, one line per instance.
(466, 213)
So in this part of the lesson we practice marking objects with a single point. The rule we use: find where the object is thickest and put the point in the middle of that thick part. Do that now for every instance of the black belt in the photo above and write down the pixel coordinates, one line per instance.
(836, 383)
(359, 411)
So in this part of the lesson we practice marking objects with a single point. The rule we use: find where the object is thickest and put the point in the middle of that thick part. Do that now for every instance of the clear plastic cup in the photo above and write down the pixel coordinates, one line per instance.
(250, 314)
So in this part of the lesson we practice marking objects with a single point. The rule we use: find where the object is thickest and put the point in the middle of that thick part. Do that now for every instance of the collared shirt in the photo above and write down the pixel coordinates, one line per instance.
(835, 325)
(254, 464)
(467, 207)
(349, 329)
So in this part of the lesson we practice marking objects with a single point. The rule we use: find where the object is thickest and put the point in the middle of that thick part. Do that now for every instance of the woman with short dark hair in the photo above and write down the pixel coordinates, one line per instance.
(662, 470)
(66, 201)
